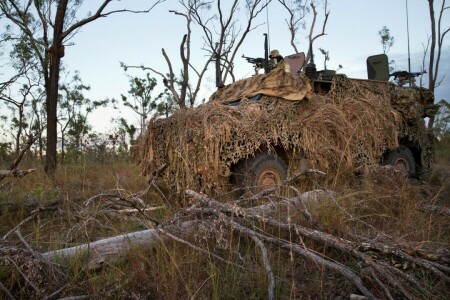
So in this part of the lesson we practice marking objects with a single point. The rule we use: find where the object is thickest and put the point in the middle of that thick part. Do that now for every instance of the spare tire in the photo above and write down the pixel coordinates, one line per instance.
(401, 159)
(260, 172)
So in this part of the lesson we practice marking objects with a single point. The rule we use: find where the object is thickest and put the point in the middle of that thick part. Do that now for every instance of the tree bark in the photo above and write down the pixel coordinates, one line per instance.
(52, 89)
(115, 248)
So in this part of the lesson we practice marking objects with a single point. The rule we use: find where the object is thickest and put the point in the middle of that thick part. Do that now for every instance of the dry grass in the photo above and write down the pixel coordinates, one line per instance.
(380, 207)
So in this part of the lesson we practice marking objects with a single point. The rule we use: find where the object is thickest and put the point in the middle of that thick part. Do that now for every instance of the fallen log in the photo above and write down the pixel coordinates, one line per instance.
(15, 173)
(389, 282)
(115, 248)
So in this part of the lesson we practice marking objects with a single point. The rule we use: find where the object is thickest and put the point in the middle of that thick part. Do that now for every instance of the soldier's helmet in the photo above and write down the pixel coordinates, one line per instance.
(274, 53)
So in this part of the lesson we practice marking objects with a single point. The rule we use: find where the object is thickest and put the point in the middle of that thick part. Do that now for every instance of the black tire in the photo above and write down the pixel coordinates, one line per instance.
(260, 172)
(401, 159)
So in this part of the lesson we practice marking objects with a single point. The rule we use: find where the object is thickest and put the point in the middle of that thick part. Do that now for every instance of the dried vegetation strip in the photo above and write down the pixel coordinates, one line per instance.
(373, 240)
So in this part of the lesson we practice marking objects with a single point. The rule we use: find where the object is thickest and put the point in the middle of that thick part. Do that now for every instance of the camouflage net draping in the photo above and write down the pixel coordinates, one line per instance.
(277, 83)
(351, 126)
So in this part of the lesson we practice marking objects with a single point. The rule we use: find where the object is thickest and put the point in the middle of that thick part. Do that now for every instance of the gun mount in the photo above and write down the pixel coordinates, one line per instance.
(258, 63)
(403, 77)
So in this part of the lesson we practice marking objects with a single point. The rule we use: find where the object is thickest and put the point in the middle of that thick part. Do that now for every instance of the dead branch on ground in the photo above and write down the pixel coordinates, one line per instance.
(375, 277)
(15, 173)
(12, 167)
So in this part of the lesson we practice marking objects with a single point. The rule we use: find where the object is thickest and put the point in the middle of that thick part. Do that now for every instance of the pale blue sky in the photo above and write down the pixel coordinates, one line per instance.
(352, 35)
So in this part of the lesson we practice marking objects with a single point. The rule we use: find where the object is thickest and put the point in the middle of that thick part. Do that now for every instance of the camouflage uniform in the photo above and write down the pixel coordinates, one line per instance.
(284, 66)
(280, 64)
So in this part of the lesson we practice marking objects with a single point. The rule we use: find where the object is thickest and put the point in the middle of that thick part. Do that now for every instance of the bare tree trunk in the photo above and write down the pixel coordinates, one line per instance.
(63, 153)
(52, 89)
(19, 130)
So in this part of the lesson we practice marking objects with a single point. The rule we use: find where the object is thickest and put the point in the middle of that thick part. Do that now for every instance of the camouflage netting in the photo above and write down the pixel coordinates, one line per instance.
(351, 126)
(275, 84)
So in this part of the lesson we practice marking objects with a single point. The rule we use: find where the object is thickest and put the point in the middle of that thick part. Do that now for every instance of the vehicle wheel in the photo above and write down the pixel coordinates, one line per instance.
(401, 159)
(260, 172)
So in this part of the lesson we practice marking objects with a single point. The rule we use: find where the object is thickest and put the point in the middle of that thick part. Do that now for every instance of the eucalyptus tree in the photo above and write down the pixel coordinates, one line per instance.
(74, 108)
(297, 11)
(140, 98)
(439, 29)
(386, 39)
(21, 91)
(224, 29)
(48, 25)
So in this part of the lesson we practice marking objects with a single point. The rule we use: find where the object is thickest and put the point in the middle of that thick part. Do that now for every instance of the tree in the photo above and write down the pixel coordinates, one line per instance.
(386, 39)
(74, 109)
(123, 135)
(442, 120)
(140, 98)
(21, 90)
(47, 25)
(438, 34)
(129, 129)
(183, 89)
(298, 10)
(326, 58)
(222, 37)
(222, 40)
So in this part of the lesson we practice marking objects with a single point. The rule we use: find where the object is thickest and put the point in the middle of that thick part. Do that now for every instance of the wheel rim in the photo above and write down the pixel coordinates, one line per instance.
(401, 165)
(267, 179)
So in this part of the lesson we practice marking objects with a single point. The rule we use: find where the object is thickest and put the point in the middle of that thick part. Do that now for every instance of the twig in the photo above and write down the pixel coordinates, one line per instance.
(265, 260)
(57, 292)
(82, 297)
(306, 172)
(6, 291)
(380, 284)
(33, 214)
(18, 226)
(135, 210)
(435, 268)
(436, 209)
(198, 248)
(17, 232)
(24, 276)
(153, 181)
(261, 195)
(346, 272)
(30, 142)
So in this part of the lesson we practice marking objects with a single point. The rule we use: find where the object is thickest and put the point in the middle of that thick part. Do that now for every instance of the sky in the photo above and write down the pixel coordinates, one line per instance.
(351, 36)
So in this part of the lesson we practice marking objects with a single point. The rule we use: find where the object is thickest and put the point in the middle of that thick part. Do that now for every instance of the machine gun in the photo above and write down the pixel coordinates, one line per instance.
(403, 77)
(258, 63)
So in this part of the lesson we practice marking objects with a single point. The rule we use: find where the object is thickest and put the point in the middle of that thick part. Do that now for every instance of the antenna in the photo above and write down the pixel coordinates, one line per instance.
(409, 53)
(267, 21)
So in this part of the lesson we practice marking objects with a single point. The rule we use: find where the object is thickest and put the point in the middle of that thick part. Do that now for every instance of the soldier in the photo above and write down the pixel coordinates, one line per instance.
(277, 61)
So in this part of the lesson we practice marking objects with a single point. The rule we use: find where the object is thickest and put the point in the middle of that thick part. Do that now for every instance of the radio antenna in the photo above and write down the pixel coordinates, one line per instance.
(267, 21)
(409, 52)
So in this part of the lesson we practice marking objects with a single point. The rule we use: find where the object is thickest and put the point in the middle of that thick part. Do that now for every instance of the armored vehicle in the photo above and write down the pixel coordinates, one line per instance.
(255, 132)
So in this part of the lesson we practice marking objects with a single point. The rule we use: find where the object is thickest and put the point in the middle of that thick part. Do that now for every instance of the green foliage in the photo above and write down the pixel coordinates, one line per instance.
(5, 152)
(442, 133)
(387, 41)
(74, 109)
(441, 150)
(22, 52)
(326, 55)
(442, 119)
(141, 100)
(129, 129)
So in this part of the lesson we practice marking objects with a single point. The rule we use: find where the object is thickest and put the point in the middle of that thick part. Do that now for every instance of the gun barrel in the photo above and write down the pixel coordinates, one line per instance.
(415, 74)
